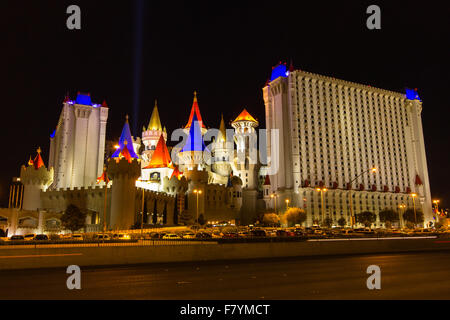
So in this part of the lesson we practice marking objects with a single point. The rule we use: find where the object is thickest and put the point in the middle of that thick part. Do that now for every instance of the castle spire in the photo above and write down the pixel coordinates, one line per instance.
(161, 156)
(38, 162)
(194, 140)
(155, 122)
(222, 130)
(125, 136)
(195, 110)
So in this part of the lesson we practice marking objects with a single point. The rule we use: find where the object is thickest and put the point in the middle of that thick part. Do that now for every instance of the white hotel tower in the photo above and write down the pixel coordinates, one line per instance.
(331, 131)
(77, 146)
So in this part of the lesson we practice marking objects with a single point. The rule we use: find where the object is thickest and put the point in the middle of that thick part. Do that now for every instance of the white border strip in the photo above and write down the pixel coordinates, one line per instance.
(371, 239)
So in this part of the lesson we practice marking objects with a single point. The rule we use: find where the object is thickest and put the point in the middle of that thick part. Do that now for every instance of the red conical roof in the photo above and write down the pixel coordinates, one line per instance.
(176, 173)
(418, 180)
(161, 156)
(267, 180)
(195, 109)
(125, 152)
(103, 177)
(38, 162)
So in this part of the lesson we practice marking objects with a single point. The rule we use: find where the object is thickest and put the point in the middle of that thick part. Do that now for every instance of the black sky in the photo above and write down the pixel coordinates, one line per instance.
(222, 49)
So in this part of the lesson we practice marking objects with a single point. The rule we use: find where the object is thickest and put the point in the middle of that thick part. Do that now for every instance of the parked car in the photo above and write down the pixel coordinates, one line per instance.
(41, 237)
(203, 235)
(29, 236)
(228, 235)
(121, 236)
(17, 238)
(188, 235)
(282, 233)
(101, 236)
(217, 234)
(244, 234)
(77, 236)
(258, 233)
(171, 236)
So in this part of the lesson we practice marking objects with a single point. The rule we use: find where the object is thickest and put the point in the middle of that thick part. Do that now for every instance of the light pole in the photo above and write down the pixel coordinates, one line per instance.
(322, 190)
(197, 192)
(142, 214)
(414, 195)
(287, 204)
(436, 212)
(401, 206)
(373, 170)
(274, 197)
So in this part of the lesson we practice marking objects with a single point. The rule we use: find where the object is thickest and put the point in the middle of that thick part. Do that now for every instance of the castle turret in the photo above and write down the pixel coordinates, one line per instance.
(151, 135)
(195, 111)
(124, 168)
(192, 155)
(35, 178)
(221, 164)
(246, 143)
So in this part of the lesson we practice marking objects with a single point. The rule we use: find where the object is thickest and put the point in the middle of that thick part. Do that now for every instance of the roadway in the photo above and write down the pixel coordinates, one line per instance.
(403, 276)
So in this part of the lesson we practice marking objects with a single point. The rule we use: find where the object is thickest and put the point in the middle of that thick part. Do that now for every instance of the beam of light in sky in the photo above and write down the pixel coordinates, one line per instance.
(137, 61)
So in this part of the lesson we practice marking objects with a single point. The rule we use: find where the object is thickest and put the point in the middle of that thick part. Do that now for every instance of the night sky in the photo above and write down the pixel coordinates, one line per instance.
(222, 49)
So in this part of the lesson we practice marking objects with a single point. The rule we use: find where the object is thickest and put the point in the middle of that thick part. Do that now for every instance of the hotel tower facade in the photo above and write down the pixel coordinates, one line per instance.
(332, 132)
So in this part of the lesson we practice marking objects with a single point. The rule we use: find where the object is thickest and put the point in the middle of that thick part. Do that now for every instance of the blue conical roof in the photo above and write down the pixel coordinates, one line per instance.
(125, 136)
(195, 140)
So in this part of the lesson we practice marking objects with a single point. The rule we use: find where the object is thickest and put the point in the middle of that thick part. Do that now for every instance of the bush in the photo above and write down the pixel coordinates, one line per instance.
(271, 219)
(293, 216)
(327, 222)
(411, 217)
(366, 218)
(73, 218)
(342, 222)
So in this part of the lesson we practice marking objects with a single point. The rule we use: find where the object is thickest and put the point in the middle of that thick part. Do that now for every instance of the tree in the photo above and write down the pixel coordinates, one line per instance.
(73, 218)
(271, 219)
(294, 216)
(327, 222)
(366, 218)
(388, 216)
(185, 218)
(342, 222)
(416, 218)
(201, 219)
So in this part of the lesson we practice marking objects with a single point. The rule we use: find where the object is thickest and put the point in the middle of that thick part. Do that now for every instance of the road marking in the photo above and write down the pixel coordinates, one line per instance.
(42, 255)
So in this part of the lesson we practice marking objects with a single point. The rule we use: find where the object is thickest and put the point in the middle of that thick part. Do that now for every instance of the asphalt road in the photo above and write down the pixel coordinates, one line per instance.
(403, 276)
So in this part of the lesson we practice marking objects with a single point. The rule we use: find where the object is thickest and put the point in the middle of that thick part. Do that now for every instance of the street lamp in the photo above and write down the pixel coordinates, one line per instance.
(371, 170)
(436, 212)
(197, 193)
(274, 197)
(401, 206)
(322, 190)
(414, 195)
(287, 203)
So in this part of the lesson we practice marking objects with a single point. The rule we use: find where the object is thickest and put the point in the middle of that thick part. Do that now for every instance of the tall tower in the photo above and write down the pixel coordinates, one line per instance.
(35, 178)
(194, 153)
(246, 160)
(151, 135)
(276, 100)
(221, 164)
(77, 145)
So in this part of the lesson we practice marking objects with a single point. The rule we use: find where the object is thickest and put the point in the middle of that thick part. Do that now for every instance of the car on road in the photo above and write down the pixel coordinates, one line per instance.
(171, 236)
(101, 236)
(203, 235)
(282, 233)
(258, 233)
(230, 235)
(216, 234)
(29, 237)
(188, 235)
(17, 238)
(244, 234)
(121, 236)
(41, 237)
(77, 237)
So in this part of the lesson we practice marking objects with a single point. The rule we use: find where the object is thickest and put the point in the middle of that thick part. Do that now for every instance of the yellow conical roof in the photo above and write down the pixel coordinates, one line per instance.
(155, 122)
(222, 130)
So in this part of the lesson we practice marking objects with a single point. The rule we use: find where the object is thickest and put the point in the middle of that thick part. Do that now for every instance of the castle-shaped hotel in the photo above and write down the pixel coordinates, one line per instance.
(322, 134)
